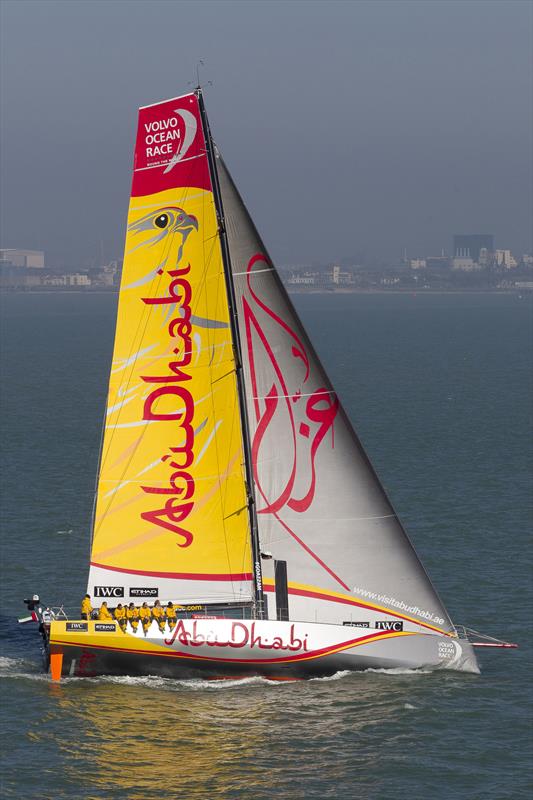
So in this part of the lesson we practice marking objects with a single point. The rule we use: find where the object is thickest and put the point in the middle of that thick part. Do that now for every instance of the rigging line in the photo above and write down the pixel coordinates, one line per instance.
(253, 272)
(222, 485)
(211, 336)
(155, 483)
(224, 492)
(234, 324)
(338, 519)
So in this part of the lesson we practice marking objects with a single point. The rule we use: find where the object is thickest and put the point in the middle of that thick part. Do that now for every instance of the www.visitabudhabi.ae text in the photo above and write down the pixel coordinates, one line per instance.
(399, 604)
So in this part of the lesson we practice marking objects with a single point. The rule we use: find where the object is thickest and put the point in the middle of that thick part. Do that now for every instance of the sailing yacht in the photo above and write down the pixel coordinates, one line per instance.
(231, 481)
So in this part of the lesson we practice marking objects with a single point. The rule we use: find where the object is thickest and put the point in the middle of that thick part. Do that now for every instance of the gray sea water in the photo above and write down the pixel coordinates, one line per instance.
(439, 389)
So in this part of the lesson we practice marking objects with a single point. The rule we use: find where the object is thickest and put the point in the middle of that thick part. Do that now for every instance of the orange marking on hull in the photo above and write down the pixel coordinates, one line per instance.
(56, 665)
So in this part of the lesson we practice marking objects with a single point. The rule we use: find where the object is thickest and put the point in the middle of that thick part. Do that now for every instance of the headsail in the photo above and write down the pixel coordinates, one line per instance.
(171, 518)
(320, 506)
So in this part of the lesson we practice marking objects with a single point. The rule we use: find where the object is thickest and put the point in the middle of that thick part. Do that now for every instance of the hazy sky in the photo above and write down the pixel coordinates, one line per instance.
(351, 128)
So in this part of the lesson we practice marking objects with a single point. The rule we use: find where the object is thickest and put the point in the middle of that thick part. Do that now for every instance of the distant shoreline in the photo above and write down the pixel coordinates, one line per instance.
(510, 290)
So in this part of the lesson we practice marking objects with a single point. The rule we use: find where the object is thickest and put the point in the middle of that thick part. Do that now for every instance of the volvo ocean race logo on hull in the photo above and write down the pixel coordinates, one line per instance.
(138, 591)
(109, 591)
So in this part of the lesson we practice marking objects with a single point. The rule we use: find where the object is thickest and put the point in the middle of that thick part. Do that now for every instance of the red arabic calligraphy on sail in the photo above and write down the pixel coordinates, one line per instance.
(310, 414)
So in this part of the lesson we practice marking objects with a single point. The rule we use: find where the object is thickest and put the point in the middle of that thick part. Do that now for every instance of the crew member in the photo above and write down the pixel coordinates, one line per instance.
(86, 607)
(33, 603)
(170, 613)
(104, 615)
(132, 615)
(145, 615)
(120, 616)
(159, 615)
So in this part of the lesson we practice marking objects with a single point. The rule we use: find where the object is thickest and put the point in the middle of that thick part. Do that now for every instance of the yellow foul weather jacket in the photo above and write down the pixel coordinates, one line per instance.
(86, 607)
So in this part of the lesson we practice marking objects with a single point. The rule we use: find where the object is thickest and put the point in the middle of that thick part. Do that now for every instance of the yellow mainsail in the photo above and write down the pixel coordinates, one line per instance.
(171, 517)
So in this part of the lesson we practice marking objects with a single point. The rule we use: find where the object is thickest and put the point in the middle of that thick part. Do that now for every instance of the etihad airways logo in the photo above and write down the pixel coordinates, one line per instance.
(169, 138)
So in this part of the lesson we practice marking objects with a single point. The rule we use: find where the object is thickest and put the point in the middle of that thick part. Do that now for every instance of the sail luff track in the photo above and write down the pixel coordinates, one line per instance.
(226, 260)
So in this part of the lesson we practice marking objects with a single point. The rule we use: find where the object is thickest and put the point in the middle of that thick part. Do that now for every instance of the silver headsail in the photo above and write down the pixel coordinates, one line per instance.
(320, 506)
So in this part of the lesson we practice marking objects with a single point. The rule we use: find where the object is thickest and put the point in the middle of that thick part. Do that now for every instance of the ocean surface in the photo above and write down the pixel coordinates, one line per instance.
(439, 388)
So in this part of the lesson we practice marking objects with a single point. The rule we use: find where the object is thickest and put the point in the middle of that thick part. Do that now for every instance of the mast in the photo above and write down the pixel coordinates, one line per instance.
(230, 289)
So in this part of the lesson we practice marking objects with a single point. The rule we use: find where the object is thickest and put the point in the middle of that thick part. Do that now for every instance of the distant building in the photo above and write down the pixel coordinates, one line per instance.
(485, 258)
(77, 280)
(54, 280)
(23, 258)
(306, 279)
(465, 263)
(504, 258)
(417, 263)
(470, 245)
(20, 269)
(338, 276)
(389, 281)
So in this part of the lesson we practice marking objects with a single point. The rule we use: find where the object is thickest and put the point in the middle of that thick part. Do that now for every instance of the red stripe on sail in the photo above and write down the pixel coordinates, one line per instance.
(186, 576)
(349, 602)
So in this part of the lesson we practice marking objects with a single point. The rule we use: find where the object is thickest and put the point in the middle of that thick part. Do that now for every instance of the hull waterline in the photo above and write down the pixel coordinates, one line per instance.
(215, 649)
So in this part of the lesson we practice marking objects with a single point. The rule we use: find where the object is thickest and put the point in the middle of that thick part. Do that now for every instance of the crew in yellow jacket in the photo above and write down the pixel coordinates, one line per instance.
(159, 615)
(120, 616)
(132, 615)
(86, 607)
(170, 612)
(104, 613)
(145, 615)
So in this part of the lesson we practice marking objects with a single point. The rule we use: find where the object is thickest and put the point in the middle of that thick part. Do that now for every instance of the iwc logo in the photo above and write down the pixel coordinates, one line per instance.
(109, 591)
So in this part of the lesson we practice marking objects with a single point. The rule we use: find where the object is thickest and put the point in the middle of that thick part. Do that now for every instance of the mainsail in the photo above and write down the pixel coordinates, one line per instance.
(322, 512)
(172, 508)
